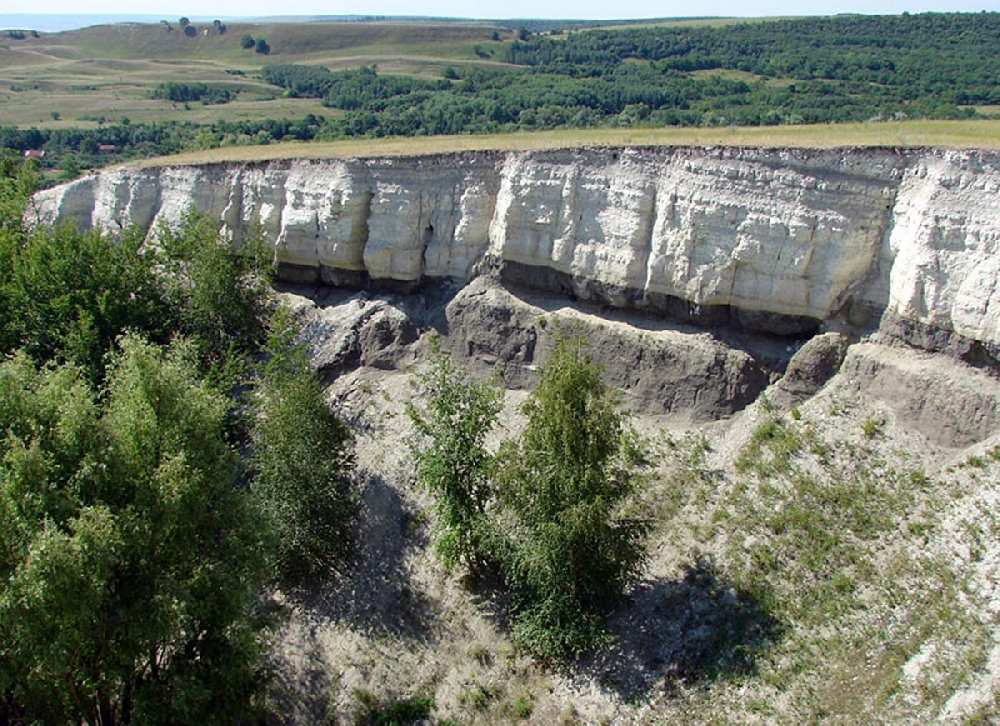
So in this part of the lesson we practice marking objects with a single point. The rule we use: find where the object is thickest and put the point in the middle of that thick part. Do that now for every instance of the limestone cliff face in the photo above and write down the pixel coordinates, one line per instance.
(783, 239)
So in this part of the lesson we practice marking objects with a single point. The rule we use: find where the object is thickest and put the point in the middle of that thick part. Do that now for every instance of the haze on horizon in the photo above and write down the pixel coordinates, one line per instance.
(563, 9)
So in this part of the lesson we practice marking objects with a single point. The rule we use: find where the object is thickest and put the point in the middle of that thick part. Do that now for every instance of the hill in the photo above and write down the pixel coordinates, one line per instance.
(133, 90)
(109, 71)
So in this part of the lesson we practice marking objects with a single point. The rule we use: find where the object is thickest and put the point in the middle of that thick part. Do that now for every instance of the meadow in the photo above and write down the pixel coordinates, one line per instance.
(981, 134)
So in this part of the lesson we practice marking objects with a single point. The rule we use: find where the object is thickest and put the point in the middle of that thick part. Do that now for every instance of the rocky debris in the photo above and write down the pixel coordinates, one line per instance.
(494, 331)
(658, 370)
(344, 332)
(815, 363)
(489, 329)
(950, 403)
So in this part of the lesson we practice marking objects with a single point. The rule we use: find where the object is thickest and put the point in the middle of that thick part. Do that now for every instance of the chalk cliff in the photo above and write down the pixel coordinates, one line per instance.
(785, 240)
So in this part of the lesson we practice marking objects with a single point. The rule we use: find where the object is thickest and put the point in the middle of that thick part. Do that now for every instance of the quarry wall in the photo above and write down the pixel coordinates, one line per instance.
(787, 241)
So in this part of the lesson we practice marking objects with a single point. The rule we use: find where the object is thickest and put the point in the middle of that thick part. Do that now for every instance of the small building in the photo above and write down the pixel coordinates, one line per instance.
(34, 153)
(106, 148)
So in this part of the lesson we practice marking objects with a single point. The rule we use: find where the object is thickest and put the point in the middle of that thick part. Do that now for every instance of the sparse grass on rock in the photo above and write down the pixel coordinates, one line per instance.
(800, 571)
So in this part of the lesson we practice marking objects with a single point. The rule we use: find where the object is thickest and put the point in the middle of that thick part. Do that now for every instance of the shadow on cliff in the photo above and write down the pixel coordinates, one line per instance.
(695, 629)
(373, 593)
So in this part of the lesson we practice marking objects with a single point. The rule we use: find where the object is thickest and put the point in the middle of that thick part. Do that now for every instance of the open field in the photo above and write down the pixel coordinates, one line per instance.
(109, 71)
(953, 134)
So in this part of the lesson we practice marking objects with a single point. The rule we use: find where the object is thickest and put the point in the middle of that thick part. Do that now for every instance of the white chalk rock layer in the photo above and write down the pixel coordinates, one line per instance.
(814, 234)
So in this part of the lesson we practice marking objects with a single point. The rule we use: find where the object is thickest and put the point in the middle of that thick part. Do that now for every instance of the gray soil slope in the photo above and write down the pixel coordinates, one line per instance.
(839, 567)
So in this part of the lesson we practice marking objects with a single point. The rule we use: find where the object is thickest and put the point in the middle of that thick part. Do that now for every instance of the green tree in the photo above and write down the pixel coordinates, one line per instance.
(247, 41)
(17, 181)
(303, 460)
(455, 465)
(69, 294)
(552, 509)
(218, 291)
(129, 561)
(565, 487)
(70, 167)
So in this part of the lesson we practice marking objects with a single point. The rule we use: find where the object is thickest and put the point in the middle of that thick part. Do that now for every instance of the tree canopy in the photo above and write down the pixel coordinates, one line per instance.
(134, 542)
(551, 508)
(130, 562)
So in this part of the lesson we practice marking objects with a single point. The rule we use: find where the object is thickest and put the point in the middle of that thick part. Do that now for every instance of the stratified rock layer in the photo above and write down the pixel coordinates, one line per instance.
(776, 239)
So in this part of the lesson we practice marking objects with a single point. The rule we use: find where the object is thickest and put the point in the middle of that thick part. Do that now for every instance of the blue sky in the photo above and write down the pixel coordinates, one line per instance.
(508, 8)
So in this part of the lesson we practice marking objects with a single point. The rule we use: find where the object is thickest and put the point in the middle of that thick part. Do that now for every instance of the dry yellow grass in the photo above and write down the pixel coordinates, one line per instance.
(979, 134)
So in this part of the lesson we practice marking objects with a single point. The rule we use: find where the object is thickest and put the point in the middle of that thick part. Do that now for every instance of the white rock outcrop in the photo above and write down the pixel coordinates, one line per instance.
(843, 235)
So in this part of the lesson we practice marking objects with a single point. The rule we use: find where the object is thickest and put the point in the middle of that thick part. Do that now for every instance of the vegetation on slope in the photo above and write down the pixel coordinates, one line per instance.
(134, 547)
(551, 509)
(808, 565)
(834, 529)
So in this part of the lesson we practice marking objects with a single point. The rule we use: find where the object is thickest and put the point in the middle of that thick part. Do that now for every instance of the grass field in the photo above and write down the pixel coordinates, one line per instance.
(109, 71)
(78, 79)
(950, 134)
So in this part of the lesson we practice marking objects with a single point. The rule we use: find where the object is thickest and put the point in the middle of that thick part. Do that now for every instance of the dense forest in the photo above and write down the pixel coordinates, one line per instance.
(815, 70)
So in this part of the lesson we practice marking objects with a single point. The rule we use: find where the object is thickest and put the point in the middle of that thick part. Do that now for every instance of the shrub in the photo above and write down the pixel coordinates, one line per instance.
(304, 461)
(455, 465)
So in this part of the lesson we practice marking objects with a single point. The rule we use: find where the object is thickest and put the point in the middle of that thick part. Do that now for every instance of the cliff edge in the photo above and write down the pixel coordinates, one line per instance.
(787, 241)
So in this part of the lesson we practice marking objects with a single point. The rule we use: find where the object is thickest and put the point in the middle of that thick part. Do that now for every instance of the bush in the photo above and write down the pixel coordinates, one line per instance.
(303, 457)
(565, 485)
(247, 42)
(550, 509)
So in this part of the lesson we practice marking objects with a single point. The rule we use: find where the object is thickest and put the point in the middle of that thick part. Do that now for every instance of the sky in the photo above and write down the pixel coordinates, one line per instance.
(581, 9)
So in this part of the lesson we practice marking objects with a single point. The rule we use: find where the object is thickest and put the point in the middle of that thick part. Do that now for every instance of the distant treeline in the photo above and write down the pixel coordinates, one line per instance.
(782, 72)
(74, 149)
(954, 57)
(192, 92)
(350, 89)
